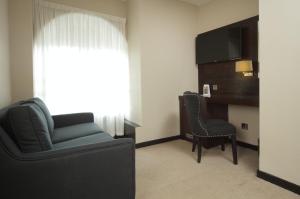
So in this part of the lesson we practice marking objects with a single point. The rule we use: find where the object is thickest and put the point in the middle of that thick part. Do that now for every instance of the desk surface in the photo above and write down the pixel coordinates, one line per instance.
(235, 100)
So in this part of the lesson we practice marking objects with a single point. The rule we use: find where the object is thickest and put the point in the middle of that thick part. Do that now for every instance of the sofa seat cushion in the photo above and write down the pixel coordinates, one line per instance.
(29, 128)
(75, 131)
(86, 140)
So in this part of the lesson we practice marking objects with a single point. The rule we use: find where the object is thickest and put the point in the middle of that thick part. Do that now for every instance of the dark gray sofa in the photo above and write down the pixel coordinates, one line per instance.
(83, 163)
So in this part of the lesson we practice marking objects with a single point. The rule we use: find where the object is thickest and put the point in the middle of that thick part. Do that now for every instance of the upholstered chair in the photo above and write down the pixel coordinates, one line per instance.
(203, 128)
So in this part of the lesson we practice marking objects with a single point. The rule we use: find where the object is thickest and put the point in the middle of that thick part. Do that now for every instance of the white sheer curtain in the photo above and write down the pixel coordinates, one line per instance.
(81, 63)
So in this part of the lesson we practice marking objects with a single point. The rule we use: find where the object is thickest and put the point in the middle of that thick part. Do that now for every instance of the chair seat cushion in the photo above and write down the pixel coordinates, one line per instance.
(218, 128)
(75, 131)
(86, 140)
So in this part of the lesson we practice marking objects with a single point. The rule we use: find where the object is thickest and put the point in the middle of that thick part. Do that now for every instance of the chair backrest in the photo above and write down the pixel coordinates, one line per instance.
(192, 102)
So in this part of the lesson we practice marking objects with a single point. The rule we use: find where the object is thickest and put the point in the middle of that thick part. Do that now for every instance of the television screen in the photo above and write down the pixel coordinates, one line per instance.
(219, 45)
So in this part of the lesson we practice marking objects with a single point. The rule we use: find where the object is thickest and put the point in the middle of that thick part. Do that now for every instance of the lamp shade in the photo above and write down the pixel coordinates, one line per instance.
(244, 66)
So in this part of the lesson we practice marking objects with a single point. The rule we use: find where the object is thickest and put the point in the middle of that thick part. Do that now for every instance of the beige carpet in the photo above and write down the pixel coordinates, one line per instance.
(170, 171)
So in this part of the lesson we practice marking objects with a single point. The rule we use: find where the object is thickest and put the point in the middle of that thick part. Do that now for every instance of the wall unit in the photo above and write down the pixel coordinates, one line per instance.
(232, 88)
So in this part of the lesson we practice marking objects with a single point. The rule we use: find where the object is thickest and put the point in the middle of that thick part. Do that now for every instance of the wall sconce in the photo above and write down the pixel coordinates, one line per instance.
(244, 66)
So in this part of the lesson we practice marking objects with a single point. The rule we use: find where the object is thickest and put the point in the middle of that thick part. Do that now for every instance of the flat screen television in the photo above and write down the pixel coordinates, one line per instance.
(219, 45)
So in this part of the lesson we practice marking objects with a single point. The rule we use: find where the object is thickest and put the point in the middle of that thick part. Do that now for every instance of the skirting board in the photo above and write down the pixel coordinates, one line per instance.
(159, 141)
(248, 146)
(177, 137)
(279, 182)
(239, 143)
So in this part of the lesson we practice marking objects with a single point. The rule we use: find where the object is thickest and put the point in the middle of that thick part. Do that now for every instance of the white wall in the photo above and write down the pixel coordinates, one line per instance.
(220, 13)
(167, 31)
(21, 38)
(4, 55)
(280, 93)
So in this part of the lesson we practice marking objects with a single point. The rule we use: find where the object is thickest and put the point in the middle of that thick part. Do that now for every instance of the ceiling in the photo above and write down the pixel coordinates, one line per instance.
(197, 2)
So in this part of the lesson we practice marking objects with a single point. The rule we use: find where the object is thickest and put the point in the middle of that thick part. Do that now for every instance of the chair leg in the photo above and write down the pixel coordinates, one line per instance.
(199, 149)
(223, 147)
(234, 149)
(194, 143)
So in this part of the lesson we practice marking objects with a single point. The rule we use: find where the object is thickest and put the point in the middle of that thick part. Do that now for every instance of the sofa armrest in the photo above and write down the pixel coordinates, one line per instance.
(103, 170)
(72, 119)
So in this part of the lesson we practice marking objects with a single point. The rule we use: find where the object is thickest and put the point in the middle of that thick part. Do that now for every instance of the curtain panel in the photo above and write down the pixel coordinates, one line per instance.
(81, 63)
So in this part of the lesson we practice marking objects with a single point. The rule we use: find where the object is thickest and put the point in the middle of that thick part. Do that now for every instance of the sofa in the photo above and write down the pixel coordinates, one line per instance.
(61, 157)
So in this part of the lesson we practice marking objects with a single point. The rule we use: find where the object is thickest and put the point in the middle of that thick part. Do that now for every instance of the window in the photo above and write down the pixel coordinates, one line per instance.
(81, 63)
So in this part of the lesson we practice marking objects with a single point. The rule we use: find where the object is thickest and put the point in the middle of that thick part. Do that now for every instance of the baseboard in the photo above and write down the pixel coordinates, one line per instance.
(159, 141)
(279, 182)
(168, 139)
(239, 143)
(247, 145)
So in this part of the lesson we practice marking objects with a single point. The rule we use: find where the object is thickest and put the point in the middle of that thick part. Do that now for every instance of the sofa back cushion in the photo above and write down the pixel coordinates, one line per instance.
(30, 128)
(4, 122)
(45, 110)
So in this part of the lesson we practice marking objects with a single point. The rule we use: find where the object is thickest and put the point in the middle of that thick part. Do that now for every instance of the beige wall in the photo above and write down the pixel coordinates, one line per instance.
(280, 94)
(134, 43)
(249, 115)
(111, 7)
(219, 13)
(21, 34)
(4, 55)
(21, 30)
(167, 32)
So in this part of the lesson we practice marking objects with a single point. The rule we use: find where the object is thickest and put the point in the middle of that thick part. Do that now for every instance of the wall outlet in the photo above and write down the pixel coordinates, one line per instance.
(215, 87)
(244, 126)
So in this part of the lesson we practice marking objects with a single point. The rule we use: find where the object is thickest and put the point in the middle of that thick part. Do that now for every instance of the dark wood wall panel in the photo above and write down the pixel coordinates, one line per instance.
(235, 86)
(223, 74)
